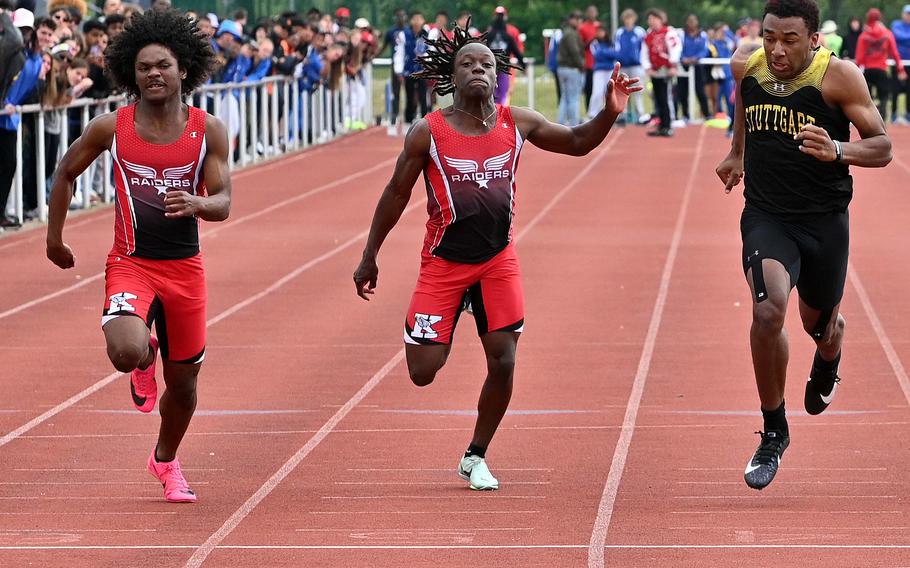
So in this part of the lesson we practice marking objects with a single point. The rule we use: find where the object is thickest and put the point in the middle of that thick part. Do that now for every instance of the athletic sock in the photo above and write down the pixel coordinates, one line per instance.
(158, 460)
(776, 420)
(474, 450)
(151, 352)
(825, 366)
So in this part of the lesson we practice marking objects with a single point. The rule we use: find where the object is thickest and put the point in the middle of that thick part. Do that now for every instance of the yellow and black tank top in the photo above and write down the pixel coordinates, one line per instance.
(780, 179)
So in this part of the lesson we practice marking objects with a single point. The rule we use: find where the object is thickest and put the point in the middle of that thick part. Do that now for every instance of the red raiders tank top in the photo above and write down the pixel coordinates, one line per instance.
(471, 189)
(143, 174)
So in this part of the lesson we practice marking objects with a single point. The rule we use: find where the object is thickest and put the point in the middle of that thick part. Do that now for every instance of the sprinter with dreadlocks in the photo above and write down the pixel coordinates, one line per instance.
(468, 154)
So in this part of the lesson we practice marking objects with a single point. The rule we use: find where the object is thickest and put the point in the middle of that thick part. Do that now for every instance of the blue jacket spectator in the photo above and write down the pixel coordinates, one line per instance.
(262, 70)
(309, 72)
(605, 55)
(901, 30)
(723, 50)
(628, 44)
(551, 52)
(695, 46)
(21, 89)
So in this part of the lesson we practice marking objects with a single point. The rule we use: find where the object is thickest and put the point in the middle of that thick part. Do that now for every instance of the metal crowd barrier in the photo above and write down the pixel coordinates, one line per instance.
(266, 119)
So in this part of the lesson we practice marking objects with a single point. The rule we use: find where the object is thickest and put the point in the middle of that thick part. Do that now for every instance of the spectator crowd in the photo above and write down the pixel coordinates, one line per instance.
(53, 59)
(582, 52)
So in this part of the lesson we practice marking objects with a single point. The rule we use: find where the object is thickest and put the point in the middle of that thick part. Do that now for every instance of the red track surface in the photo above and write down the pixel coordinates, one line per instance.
(633, 409)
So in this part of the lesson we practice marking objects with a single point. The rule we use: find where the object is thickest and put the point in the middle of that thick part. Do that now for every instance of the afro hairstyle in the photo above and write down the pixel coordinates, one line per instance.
(171, 29)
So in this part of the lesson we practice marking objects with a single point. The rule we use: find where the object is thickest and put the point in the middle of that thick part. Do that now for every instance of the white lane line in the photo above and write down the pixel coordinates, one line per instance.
(422, 529)
(87, 513)
(9, 437)
(430, 497)
(893, 359)
(405, 483)
(235, 519)
(204, 234)
(784, 512)
(442, 469)
(814, 482)
(618, 465)
(477, 547)
(434, 512)
(765, 497)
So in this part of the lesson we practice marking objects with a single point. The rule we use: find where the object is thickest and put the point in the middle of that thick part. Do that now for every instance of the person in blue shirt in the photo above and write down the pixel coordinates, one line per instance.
(629, 38)
(605, 55)
(37, 36)
(723, 47)
(695, 47)
(398, 37)
(552, 50)
(901, 30)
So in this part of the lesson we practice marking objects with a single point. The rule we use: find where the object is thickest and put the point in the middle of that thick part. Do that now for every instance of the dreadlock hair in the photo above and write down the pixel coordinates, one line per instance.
(439, 61)
(173, 30)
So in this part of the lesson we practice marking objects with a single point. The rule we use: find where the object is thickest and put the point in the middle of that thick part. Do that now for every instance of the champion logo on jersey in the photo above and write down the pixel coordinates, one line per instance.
(493, 168)
(147, 176)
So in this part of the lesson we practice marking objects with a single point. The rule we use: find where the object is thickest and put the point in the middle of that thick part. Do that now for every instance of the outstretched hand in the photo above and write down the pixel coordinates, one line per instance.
(620, 87)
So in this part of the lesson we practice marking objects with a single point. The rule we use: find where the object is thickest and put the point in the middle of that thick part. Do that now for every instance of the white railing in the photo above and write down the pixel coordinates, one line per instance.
(266, 119)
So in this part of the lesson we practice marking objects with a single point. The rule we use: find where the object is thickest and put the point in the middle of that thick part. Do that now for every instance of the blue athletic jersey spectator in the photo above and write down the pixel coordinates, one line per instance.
(605, 55)
(723, 50)
(695, 46)
(628, 44)
(901, 31)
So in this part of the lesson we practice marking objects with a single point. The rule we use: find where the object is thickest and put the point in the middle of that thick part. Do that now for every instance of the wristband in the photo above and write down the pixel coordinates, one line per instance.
(838, 151)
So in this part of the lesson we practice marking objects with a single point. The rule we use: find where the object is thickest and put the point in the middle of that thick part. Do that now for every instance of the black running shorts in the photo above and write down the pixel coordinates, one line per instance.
(812, 249)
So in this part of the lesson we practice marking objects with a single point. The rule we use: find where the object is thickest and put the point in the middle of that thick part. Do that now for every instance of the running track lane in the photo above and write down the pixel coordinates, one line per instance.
(542, 359)
(838, 499)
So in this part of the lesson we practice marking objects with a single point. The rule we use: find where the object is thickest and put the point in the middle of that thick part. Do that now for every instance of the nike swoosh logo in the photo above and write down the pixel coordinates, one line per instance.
(138, 400)
(750, 468)
(827, 399)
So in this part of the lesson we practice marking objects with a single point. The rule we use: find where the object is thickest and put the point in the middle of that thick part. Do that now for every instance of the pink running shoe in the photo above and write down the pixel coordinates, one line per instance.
(176, 489)
(143, 387)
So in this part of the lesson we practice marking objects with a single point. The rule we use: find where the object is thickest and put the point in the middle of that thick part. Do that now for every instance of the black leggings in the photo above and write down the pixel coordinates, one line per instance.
(898, 88)
(7, 166)
(879, 79)
(662, 100)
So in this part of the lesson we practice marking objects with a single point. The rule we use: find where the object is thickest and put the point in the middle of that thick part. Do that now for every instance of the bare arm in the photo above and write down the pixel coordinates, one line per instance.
(216, 204)
(581, 139)
(95, 139)
(392, 203)
(730, 170)
(845, 87)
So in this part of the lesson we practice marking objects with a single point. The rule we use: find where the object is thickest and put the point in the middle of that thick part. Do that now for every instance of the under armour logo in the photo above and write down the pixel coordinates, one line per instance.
(779, 87)
(423, 326)
(120, 303)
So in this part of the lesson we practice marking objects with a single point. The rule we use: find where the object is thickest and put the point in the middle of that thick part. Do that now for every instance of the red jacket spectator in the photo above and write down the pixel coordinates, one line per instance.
(876, 44)
(587, 30)
(661, 49)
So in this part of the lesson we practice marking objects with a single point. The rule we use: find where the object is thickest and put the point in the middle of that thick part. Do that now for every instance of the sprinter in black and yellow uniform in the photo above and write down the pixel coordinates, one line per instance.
(794, 106)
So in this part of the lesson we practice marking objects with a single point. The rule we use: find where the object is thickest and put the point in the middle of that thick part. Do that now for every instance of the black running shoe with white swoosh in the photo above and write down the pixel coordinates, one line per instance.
(820, 387)
(764, 463)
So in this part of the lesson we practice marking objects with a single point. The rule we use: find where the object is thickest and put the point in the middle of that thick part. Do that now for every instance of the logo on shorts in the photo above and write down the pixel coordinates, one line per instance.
(120, 303)
(170, 177)
(423, 326)
(469, 170)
